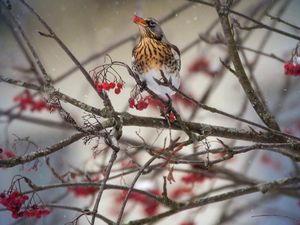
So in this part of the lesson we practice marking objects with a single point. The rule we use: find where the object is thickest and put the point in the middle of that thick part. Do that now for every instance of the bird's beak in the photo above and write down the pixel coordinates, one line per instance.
(139, 21)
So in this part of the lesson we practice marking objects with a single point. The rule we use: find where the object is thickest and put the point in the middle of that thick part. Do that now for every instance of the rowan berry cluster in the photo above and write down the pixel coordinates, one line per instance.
(194, 178)
(36, 211)
(14, 202)
(171, 117)
(138, 104)
(6, 154)
(180, 191)
(155, 103)
(107, 86)
(293, 68)
(203, 66)
(199, 64)
(267, 160)
(150, 206)
(26, 101)
(83, 191)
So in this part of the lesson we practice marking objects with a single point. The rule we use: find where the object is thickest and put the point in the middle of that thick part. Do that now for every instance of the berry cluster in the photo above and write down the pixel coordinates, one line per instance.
(36, 211)
(14, 201)
(6, 154)
(26, 101)
(83, 191)
(150, 206)
(171, 117)
(292, 69)
(267, 160)
(200, 64)
(106, 86)
(155, 103)
(179, 99)
(139, 105)
(128, 164)
(180, 191)
(194, 178)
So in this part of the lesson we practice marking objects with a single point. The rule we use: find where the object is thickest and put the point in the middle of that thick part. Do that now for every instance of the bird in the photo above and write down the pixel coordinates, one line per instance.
(155, 59)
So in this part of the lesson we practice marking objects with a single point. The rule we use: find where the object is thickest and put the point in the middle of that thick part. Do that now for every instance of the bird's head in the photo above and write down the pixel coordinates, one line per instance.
(149, 27)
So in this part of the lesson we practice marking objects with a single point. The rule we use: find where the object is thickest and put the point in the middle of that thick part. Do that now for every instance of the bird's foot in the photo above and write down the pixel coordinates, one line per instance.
(167, 106)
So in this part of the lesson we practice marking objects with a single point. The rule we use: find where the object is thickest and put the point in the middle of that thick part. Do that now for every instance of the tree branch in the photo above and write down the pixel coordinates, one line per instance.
(41, 153)
(261, 109)
(263, 188)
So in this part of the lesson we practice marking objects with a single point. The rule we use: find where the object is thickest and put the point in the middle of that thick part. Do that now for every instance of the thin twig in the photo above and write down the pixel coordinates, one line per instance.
(41, 153)
(278, 19)
(112, 142)
(252, 20)
(147, 164)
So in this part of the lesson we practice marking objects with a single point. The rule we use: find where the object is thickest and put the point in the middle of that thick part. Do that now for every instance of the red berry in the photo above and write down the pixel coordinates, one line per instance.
(47, 211)
(106, 86)
(9, 154)
(119, 85)
(141, 105)
(17, 98)
(26, 213)
(171, 117)
(146, 104)
(14, 194)
(39, 105)
(15, 215)
(131, 102)
(99, 87)
(83, 191)
(112, 85)
(117, 91)
(25, 197)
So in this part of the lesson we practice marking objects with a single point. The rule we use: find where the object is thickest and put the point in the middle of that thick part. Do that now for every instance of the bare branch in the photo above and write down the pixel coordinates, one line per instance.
(263, 188)
(41, 153)
(259, 107)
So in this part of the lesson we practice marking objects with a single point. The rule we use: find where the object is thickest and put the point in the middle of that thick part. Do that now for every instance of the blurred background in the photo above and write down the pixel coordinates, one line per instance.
(93, 29)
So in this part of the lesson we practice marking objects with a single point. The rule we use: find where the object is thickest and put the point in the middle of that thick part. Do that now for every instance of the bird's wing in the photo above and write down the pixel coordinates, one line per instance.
(176, 54)
(133, 63)
(174, 47)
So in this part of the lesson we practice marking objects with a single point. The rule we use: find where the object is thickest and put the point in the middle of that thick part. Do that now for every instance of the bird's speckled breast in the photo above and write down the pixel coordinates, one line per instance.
(153, 54)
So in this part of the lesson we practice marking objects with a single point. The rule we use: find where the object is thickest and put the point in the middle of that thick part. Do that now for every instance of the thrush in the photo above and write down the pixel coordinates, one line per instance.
(155, 59)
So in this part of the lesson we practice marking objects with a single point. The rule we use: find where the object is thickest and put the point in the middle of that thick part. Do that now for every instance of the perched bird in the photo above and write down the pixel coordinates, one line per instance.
(154, 55)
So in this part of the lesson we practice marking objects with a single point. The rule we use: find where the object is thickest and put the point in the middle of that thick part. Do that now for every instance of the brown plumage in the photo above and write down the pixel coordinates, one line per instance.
(153, 54)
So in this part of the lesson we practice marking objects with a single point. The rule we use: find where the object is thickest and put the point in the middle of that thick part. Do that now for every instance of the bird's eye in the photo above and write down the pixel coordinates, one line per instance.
(151, 23)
